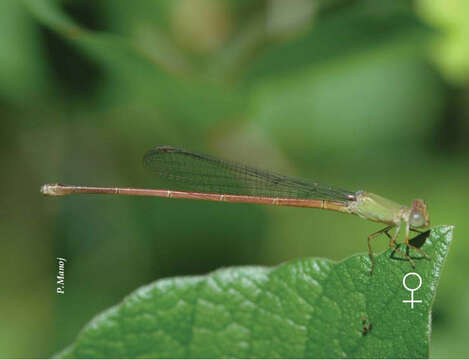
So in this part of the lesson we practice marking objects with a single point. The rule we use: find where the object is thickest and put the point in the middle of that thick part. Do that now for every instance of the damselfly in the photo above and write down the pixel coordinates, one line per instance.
(191, 175)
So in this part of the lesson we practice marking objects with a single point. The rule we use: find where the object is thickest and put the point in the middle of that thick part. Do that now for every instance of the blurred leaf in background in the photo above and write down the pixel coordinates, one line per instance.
(352, 93)
(451, 50)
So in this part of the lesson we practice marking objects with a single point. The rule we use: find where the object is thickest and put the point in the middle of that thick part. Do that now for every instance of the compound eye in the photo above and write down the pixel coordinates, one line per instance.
(417, 220)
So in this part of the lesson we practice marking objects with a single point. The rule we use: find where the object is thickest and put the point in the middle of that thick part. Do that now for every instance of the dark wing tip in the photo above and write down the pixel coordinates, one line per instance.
(162, 148)
(165, 148)
(158, 149)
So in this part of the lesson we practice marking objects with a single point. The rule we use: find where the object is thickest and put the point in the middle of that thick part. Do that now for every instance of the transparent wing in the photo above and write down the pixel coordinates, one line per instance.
(187, 171)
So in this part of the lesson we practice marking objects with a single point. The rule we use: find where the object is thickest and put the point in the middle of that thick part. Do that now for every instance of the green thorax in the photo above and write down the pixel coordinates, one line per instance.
(377, 208)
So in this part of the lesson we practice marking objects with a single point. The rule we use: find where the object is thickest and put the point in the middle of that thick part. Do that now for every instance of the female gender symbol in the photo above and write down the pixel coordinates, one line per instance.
(412, 301)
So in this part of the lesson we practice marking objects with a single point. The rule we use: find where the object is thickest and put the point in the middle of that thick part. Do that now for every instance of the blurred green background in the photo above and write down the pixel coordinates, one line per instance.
(362, 94)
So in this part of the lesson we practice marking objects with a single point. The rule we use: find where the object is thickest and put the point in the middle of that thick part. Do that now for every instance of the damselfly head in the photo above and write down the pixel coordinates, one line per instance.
(419, 216)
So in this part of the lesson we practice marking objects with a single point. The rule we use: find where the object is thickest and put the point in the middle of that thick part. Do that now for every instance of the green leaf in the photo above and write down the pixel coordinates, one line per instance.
(326, 41)
(304, 308)
(141, 77)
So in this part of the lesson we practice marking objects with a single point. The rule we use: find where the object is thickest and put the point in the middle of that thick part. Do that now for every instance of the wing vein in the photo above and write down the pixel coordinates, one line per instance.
(187, 171)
